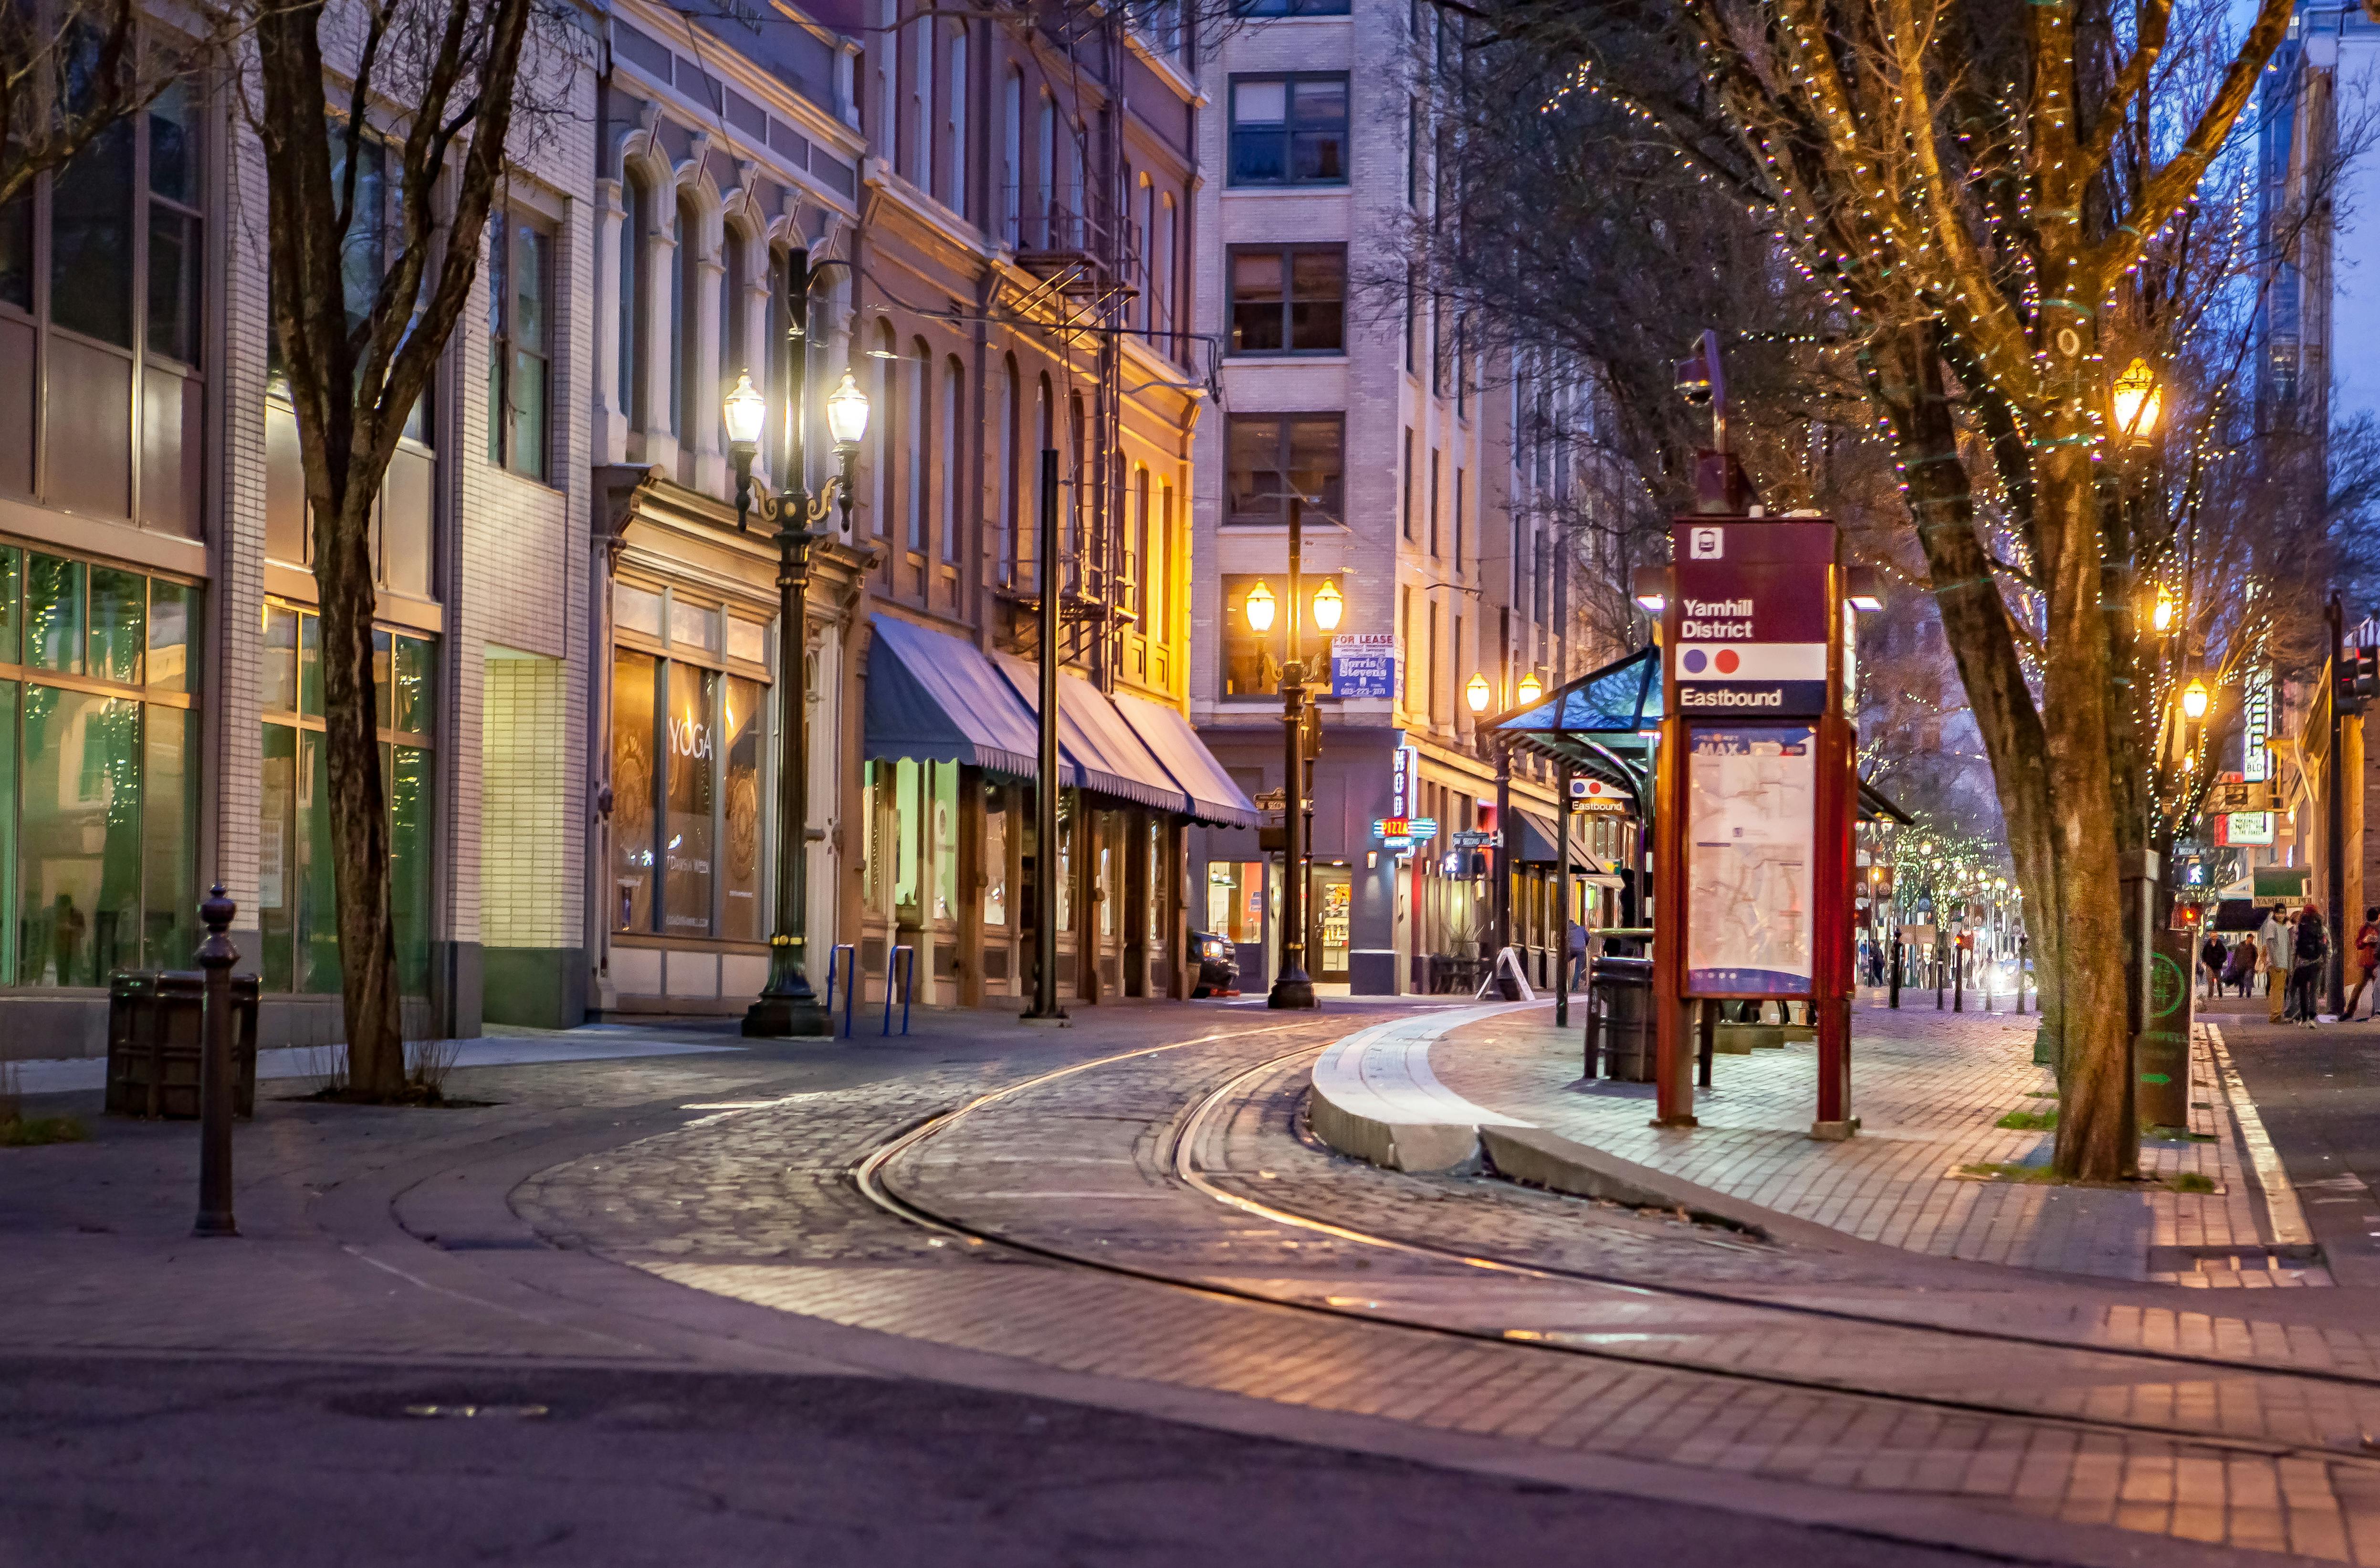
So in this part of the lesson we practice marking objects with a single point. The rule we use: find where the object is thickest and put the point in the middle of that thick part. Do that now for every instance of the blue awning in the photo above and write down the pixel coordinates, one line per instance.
(934, 698)
(1615, 702)
(1213, 797)
(1107, 756)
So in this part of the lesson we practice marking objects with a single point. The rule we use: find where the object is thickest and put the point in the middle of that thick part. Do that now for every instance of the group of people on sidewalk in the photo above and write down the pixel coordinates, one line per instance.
(2285, 957)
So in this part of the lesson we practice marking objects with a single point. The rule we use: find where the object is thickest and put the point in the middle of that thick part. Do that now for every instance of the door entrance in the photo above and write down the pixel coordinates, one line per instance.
(1334, 899)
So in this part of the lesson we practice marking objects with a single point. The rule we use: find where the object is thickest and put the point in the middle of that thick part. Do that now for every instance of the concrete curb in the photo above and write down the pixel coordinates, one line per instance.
(1536, 1158)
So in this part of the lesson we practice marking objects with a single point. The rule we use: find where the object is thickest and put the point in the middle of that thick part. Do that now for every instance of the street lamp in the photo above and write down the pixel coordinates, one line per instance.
(2137, 402)
(787, 1005)
(1328, 606)
(1259, 608)
(1477, 693)
(2162, 616)
(1292, 988)
(2194, 699)
(1531, 688)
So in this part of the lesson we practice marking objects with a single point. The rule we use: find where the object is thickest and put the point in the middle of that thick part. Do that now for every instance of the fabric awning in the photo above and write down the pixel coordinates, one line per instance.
(1213, 797)
(934, 698)
(1106, 754)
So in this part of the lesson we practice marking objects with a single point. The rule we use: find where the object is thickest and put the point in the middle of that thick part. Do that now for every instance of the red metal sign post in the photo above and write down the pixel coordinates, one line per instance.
(1755, 794)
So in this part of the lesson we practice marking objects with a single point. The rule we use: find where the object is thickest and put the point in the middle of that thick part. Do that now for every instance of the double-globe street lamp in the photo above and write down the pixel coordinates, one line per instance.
(1293, 987)
(787, 1005)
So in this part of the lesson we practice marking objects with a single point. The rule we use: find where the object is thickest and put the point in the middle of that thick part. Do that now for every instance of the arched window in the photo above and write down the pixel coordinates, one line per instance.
(952, 490)
(1045, 438)
(685, 320)
(956, 119)
(1076, 468)
(1161, 571)
(1074, 182)
(636, 225)
(1045, 188)
(1011, 152)
(920, 377)
(1011, 476)
(921, 107)
(1147, 256)
(1162, 273)
(735, 257)
(886, 423)
(1140, 566)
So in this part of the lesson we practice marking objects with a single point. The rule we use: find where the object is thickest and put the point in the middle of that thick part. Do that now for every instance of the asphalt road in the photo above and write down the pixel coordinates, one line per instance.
(111, 1461)
(2318, 1092)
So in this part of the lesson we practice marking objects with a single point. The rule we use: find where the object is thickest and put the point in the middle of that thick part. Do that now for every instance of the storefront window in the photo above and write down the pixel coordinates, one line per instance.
(297, 878)
(1160, 880)
(745, 724)
(97, 787)
(946, 840)
(689, 800)
(1235, 899)
(690, 774)
(907, 909)
(1068, 818)
(995, 856)
(633, 677)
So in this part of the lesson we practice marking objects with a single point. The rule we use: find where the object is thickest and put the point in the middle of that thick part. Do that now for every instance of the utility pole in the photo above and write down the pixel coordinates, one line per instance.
(2334, 849)
(1293, 987)
(1045, 794)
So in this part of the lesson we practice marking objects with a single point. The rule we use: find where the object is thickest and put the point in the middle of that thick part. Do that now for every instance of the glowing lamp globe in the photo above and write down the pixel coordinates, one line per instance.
(1477, 693)
(747, 410)
(1259, 608)
(1328, 606)
(2194, 699)
(846, 412)
(1531, 688)
(2137, 402)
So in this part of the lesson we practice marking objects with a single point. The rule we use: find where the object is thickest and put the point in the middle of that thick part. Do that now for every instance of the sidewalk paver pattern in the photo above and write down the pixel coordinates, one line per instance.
(1928, 1089)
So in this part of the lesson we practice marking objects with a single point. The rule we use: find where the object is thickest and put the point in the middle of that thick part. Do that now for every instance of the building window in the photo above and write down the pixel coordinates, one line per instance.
(1288, 299)
(955, 120)
(952, 490)
(99, 754)
(295, 907)
(920, 377)
(1252, 660)
(1436, 473)
(1011, 152)
(1289, 7)
(1288, 130)
(689, 728)
(1275, 455)
(1404, 487)
(884, 427)
(100, 317)
(636, 223)
(1458, 519)
(1012, 477)
(519, 284)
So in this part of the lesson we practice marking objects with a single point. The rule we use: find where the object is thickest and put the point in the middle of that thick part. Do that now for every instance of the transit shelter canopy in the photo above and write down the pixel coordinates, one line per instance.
(934, 698)
(1213, 797)
(1107, 756)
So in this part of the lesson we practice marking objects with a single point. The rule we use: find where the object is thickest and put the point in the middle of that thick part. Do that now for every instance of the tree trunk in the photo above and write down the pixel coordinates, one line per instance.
(2052, 761)
(360, 833)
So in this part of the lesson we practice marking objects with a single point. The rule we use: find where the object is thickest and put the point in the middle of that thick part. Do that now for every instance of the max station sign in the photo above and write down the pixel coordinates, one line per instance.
(1754, 849)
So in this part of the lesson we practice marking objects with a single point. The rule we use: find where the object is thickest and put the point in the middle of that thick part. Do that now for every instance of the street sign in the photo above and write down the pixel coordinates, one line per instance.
(1475, 838)
(2245, 827)
(1595, 796)
(2236, 795)
(1754, 611)
(1402, 765)
(1364, 666)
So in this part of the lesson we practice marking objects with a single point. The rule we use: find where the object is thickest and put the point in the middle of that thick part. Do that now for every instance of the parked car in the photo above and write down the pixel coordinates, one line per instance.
(1219, 965)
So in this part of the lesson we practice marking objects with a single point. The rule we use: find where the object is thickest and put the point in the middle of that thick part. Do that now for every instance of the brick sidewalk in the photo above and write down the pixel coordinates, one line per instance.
(1928, 1087)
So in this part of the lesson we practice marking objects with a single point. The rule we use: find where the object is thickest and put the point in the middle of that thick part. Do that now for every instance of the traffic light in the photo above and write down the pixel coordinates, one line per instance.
(2358, 675)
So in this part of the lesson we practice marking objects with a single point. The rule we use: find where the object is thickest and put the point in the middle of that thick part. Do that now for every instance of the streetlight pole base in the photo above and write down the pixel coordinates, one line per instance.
(786, 1017)
(1293, 989)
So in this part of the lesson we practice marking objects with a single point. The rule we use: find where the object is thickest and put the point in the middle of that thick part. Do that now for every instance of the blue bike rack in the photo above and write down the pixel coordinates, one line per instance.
(909, 973)
(851, 983)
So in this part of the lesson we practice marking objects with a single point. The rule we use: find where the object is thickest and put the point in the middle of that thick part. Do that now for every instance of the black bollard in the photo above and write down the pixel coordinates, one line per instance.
(1940, 980)
(1896, 969)
(218, 1074)
(1958, 980)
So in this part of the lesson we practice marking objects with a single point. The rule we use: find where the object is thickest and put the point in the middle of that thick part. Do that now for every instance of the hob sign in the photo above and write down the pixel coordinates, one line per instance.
(1750, 637)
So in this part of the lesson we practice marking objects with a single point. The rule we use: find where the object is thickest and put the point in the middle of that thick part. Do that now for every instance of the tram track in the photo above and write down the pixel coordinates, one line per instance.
(1181, 1134)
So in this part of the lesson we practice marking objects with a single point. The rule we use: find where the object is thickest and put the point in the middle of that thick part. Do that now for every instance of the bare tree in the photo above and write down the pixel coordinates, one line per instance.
(71, 69)
(383, 157)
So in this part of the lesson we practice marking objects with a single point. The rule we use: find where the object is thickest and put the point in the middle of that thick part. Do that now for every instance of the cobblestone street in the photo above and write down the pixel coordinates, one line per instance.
(1130, 1217)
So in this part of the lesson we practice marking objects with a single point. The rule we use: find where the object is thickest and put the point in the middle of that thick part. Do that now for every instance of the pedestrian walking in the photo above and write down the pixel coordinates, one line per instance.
(2308, 946)
(1577, 957)
(2367, 958)
(2274, 938)
(2239, 969)
(2210, 959)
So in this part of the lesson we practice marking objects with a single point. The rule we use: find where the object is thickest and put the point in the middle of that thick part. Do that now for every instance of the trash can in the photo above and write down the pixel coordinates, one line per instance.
(1620, 1019)
(155, 1024)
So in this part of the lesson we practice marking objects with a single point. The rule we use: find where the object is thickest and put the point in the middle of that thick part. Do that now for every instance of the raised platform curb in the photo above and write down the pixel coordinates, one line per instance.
(1375, 1098)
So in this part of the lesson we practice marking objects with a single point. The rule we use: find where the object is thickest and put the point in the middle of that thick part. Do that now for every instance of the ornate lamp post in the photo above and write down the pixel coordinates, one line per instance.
(1292, 988)
(787, 1005)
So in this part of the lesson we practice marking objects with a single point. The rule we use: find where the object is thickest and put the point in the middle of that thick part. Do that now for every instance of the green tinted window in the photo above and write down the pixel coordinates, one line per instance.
(173, 627)
(169, 796)
(12, 575)
(409, 771)
(309, 666)
(119, 625)
(276, 887)
(381, 705)
(278, 680)
(54, 614)
(416, 697)
(81, 845)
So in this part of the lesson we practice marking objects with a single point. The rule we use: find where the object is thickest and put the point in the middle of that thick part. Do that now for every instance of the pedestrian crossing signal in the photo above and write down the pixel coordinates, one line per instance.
(2358, 675)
